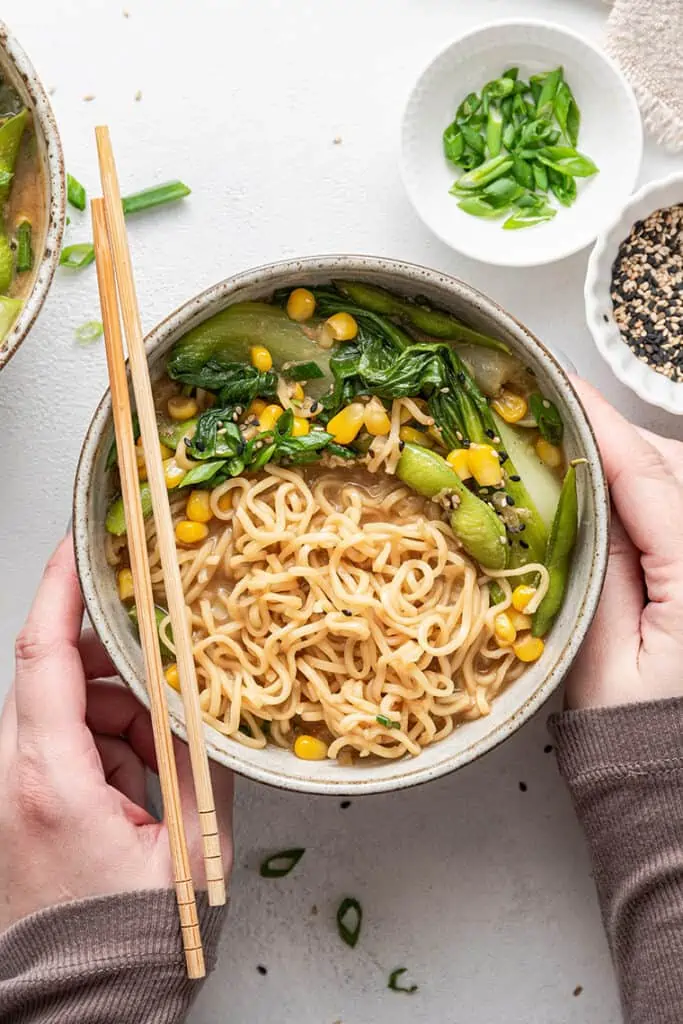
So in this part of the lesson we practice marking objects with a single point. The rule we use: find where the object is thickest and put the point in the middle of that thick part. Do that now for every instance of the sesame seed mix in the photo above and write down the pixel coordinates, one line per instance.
(647, 291)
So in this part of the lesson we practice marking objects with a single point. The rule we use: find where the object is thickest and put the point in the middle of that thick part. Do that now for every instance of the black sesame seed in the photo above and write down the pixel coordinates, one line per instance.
(523, 544)
(344, 804)
(516, 478)
(548, 748)
(523, 787)
(490, 433)
(345, 611)
(261, 969)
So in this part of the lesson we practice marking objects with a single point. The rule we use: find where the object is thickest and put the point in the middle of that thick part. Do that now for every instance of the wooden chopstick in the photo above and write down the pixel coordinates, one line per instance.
(213, 861)
(144, 598)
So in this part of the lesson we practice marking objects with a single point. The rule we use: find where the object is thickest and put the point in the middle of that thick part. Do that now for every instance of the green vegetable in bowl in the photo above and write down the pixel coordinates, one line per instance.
(524, 134)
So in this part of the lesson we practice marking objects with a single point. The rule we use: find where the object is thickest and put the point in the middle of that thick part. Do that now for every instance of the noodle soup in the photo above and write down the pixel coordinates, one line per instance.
(374, 520)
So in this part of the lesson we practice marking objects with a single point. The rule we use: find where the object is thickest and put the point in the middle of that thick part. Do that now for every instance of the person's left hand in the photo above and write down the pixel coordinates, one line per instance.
(73, 753)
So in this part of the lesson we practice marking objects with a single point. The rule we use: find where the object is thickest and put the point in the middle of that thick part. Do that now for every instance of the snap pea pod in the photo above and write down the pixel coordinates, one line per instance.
(561, 541)
(430, 321)
(530, 544)
(116, 519)
(473, 522)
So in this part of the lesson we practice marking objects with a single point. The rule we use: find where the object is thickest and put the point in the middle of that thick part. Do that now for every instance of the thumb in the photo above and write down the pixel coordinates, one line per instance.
(223, 787)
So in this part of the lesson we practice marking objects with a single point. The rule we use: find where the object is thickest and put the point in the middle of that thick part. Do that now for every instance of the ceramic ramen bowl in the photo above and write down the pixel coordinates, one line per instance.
(515, 704)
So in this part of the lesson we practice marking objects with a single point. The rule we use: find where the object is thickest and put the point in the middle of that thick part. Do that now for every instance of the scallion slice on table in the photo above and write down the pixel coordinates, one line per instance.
(79, 255)
(24, 247)
(349, 920)
(89, 332)
(75, 192)
(394, 985)
(280, 864)
(157, 195)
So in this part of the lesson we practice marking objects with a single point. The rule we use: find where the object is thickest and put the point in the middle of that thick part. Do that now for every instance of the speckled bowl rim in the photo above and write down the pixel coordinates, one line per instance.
(34, 95)
(645, 382)
(408, 772)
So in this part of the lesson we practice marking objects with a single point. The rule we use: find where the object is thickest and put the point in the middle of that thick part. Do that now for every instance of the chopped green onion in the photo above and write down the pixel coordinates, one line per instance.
(349, 907)
(388, 723)
(157, 195)
(394, 985)
(75, 192)
(77, 256)
(5, 178)
(24, 247)
(280, 864)
(496, 593)
(302, 371)
(89, 332)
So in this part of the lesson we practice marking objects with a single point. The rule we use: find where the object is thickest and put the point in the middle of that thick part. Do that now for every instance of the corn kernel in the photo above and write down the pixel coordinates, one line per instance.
(484, 465)
(124, 583)
(255, 408)
(529, 648)
(300, 304)
(345, 425)
(549, 453)
(299, 394)
(504, 630)
(520, 620)
(269, 417)
(225, 502)
(261, 358)
(411, 435)
(173, 473)
(181, 408)
(457, 459)
(300, 426)
(198, 507)
(188, 532)
(172, 677)
(310, 748)
(521, 596)
(165, 452)
(376, 420)
(510, 406)
(405, 415)
(342, 327)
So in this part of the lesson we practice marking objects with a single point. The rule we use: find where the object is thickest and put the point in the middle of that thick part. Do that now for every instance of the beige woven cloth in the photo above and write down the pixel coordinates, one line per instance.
(646, 39)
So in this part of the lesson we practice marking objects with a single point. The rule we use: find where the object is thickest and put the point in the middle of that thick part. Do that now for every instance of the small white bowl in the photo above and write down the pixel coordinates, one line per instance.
(611, 134)
(649, 385)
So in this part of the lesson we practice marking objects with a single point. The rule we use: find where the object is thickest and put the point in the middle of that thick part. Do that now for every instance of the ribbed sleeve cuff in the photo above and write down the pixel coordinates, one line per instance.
(627, 738)
(115, 958)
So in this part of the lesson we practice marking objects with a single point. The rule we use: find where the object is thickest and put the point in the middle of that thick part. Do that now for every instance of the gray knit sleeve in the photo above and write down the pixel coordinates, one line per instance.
(624, 768)
(110, 960)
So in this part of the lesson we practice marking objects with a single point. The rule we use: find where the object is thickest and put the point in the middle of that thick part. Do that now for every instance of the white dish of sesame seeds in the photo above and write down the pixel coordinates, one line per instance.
(608, 110)
(644, 271)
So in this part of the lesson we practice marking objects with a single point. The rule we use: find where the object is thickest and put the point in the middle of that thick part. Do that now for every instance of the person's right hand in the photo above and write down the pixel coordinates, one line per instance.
(634, 650)
(73, 753)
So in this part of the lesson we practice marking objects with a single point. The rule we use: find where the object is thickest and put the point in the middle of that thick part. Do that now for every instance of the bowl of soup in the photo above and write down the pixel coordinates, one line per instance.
(32, 195)
(390, 516)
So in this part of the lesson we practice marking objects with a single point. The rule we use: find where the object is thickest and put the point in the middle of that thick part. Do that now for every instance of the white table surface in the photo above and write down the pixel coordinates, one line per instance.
(483, 890)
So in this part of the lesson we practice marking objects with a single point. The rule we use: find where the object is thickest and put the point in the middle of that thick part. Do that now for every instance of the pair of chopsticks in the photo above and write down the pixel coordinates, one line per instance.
(118, 300)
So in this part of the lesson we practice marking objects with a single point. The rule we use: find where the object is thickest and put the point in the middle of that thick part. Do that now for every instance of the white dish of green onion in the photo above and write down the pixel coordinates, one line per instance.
(521, 140)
